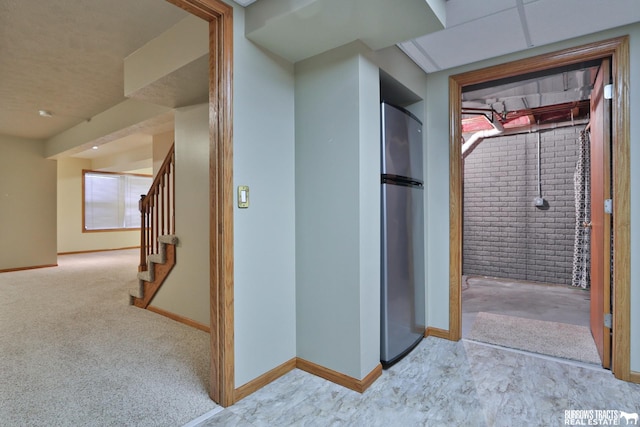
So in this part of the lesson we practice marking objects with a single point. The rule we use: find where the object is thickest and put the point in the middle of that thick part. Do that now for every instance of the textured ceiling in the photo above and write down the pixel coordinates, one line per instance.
(66, 56)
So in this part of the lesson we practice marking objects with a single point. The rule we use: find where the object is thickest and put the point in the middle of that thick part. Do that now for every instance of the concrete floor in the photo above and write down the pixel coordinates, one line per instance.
(556, 303)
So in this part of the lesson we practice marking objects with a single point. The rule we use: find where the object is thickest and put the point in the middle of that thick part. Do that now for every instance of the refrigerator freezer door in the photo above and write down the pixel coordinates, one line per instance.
(402, 297)
(401, 143)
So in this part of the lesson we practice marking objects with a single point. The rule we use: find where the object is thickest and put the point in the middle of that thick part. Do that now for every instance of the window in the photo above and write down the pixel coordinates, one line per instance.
(110, 200)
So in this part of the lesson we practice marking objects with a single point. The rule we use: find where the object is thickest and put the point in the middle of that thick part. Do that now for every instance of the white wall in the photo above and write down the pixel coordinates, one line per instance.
(264, 234)
(71, 238)
(438, 174)
(634, 32)
(27, 204)
(338, 201)
(185, 292)
(437, 200)
(369, 166)
(338, 210)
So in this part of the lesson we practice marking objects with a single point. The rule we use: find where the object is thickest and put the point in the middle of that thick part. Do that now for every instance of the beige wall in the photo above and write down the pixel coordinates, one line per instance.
(185, 292)
(27, 204)
(70, 235)
(161, 145)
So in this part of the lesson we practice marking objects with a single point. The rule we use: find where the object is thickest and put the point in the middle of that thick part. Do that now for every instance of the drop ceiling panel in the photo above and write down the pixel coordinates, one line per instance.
(461, 11)
(574, 18)
(483, 38)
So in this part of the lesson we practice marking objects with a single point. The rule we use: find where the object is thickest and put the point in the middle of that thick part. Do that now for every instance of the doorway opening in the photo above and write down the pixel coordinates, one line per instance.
(524, 137)
(616, 49)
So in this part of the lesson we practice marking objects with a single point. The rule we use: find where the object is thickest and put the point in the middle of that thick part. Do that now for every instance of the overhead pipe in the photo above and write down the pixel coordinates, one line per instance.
(477, 137)
(539, 201)
(546, 126)
(526, 112)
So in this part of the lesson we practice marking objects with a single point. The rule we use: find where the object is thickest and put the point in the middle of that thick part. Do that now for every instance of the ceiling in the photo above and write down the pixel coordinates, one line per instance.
(66, 56)
(477, 30)
(552, 96)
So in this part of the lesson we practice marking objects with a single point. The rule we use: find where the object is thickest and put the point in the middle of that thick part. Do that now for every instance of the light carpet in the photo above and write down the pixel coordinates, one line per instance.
(538, 336)
(74, 353)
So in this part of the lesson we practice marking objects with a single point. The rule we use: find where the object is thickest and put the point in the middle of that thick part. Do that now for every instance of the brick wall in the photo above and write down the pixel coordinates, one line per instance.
(505, 235)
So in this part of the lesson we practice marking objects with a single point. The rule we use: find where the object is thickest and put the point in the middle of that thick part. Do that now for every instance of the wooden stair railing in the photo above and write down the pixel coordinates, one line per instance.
(157, 233)
(157, 208)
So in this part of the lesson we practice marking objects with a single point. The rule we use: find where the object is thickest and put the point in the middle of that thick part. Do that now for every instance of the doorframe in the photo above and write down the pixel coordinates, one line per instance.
(222, 365)
(618, 50)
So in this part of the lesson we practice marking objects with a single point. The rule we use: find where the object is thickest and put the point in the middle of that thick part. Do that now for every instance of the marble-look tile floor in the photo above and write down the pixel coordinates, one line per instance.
(440, 383)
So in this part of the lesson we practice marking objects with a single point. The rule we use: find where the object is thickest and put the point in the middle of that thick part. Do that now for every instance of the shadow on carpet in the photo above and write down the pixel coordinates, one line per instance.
(538, 336)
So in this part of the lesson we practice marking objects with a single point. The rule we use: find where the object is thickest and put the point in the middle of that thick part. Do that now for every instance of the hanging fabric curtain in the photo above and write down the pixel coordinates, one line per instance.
(582, 244)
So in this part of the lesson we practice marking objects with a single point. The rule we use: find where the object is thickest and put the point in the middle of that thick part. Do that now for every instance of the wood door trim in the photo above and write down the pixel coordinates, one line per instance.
(220, 18)
(618, 50)
(620, 140)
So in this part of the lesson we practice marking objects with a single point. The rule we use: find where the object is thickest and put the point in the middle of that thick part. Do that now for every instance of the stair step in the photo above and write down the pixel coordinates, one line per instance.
(147, 276)
(137, 290)
(138, 293)
(157, 258)
(168, 239)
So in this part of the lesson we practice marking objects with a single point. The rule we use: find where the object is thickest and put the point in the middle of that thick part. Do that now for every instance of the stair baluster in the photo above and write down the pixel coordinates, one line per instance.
(157, 209)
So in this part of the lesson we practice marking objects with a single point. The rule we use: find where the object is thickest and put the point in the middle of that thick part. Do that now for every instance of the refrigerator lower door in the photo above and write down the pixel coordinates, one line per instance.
(403, 283)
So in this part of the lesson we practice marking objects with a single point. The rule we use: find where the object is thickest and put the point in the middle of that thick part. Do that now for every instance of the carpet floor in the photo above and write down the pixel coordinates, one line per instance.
(73, 352)
(551, 338)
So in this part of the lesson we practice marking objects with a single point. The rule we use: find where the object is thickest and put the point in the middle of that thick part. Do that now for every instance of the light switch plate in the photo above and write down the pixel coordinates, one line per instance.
(243, 196)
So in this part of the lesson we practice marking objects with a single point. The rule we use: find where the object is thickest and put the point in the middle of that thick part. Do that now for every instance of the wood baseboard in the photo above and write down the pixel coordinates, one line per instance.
(97, 250)
(328, 374)
(264, 379)
(339, 378)
(181, 319)
(33, 267)
(634, 377)
(437, 333)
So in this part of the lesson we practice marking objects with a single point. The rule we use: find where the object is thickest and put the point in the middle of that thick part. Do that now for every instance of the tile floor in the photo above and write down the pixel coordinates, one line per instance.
(441, 383)
(444, 383)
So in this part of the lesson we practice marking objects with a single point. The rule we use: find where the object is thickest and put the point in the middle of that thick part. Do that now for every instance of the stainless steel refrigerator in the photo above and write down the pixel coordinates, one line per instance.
(403, 284)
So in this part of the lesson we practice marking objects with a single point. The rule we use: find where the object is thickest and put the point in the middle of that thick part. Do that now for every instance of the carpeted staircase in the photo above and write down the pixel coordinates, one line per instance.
(158, 268)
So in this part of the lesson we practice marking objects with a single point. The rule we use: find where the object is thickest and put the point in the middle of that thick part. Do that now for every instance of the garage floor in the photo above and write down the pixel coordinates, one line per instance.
(556, 303)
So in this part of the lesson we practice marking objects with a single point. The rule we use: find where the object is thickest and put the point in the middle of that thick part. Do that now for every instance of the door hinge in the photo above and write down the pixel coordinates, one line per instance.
(608, 206)
(608, 91)
(608, 320)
